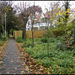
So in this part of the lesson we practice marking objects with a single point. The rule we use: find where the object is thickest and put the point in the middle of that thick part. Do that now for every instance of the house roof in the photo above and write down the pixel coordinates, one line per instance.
(38, 17)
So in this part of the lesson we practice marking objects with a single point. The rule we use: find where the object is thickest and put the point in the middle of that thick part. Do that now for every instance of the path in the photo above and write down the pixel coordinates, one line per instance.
(12, 64)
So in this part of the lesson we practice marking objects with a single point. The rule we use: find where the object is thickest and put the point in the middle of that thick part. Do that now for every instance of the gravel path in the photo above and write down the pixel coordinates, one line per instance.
(12, 64)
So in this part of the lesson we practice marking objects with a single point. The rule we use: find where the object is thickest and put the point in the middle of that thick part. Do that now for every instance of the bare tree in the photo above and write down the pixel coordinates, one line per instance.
(51, 14)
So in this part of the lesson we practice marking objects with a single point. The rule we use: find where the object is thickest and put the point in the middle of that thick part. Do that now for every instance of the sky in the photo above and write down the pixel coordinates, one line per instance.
(43, 4)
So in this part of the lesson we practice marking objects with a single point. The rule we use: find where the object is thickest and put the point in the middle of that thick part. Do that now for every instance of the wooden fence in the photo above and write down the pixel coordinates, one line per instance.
(36, 34)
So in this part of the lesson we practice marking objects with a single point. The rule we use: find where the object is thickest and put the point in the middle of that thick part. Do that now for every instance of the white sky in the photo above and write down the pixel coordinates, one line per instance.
(43, 4)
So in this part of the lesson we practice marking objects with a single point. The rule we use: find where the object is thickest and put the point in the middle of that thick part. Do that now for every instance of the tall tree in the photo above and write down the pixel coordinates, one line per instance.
(66, 15)
(26, 13)
(32, 12)
(3, 4)
(12, 20)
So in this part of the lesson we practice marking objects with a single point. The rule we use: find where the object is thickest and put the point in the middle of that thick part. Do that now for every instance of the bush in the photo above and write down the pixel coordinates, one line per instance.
(41, 54)
(46, 62)
(28, 44)
(44, 40)
(19, 39)
(1, 43)
(59, 46)
(30, 51)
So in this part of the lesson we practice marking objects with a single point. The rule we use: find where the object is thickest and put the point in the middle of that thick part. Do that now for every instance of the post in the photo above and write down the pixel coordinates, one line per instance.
(5, 24)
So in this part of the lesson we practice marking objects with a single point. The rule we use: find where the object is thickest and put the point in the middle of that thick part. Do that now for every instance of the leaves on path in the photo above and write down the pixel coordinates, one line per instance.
(35, 68)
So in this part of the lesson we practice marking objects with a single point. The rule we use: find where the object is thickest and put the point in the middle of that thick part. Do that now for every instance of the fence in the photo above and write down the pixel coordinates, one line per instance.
(36, 34)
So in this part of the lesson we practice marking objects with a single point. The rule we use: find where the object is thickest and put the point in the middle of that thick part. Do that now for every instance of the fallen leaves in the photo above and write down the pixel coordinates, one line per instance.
(11, 61)
(1, 62)
(30, 64)
(22, 72)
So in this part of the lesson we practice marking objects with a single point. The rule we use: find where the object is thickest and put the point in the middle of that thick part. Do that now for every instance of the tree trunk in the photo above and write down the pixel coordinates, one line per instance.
(48, 38)
(2, 25)
(0, 31)
(8, 32)
(25, 33)
(32, 37)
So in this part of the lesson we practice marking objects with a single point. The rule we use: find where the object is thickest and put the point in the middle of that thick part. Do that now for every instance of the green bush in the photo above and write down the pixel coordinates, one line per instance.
(59, 46)
(41, 54)
(19, 39)
(30, 51)
(44, 40)
(46, 62)
(28, 44)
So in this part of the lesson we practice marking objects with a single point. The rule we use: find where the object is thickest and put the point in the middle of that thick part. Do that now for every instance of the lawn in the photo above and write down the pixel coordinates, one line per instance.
(61, 62)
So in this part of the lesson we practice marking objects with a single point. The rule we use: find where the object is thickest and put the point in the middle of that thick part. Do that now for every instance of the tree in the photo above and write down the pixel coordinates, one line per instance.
(3, 4)
(32, 11)
(66, 15)
(25, 13)
(50, 15)
(12, 20)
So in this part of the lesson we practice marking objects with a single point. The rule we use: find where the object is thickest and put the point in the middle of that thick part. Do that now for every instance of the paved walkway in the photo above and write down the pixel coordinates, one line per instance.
(12, 64)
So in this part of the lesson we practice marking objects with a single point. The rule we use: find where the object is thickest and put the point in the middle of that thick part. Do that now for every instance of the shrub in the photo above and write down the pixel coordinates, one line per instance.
(44, 40)
(19, 39)
(4, 38)
(41, 54)
(46, 62)
(1, 43)
(59, 46)
(30, 51)
(28, 44)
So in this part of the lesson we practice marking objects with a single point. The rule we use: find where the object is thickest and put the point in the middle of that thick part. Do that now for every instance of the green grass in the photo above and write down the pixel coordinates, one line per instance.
(58, 59)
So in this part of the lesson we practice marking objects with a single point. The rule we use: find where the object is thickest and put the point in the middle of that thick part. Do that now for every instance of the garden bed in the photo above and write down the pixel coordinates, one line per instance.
(58, 62)
(35, 68)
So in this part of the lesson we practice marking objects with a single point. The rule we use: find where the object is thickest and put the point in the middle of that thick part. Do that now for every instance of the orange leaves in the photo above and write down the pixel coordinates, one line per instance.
(59, 70)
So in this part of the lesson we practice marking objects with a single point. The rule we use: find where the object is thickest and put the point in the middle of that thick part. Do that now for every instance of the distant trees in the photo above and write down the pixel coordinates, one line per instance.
(12, 21)
(2, 12)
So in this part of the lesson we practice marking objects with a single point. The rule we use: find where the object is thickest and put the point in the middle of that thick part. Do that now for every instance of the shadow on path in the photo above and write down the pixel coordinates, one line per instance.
(12, 64)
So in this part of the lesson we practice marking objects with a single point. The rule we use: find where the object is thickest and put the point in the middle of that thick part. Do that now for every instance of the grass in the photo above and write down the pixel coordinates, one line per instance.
(62, 62)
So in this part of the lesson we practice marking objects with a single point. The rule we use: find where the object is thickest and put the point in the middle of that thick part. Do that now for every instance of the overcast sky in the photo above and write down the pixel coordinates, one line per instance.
(43, 4)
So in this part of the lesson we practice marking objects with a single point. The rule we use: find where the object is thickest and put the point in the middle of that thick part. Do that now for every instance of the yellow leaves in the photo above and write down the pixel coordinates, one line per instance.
(31, 14)
(24, 17)
(22, 72)
(48, 13)
(11, 61)
(57, 13)
(68, 10)
(51, 19)
(26, 68)
(60, 13)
